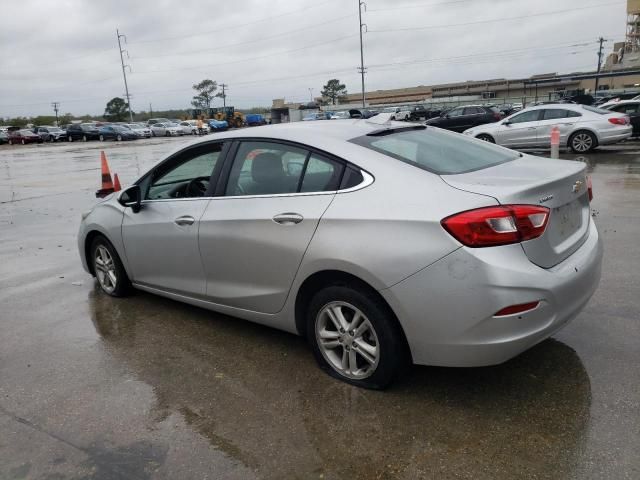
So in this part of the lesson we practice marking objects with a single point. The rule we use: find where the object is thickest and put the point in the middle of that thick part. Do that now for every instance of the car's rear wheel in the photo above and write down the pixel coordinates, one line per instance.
(119, 138)
(22, 141)
(582, 141)
(10, 142)
(355, 337)
(84, 138)
(486, 138)
(108, 269)
(70, 138)
(102, 138)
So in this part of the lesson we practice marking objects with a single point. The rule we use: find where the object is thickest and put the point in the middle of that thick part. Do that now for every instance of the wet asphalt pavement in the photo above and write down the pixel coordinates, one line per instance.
(146, 388)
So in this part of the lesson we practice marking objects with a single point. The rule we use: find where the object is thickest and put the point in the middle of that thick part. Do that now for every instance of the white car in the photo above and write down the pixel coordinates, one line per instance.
(582, 128)
(403, 113)
(165, 130)
(190, 127)
(342, 115)
(139, 129)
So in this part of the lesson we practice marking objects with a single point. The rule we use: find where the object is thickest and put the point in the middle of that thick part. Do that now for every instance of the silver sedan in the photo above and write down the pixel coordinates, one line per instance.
(582, 128)
(383, 243)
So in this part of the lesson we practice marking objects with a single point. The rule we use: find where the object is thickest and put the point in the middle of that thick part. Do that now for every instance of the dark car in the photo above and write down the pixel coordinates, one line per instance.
(116, 132)
(82, 131)
(361, 113)
(50, 134)
(23, 136)
(419, 112)
(4, 138)
(461, 118)
(630, 108)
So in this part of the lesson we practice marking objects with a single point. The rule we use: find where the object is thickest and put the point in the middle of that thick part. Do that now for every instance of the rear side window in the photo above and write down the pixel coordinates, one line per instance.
(321, 174)
(571, 113)
(437, 151)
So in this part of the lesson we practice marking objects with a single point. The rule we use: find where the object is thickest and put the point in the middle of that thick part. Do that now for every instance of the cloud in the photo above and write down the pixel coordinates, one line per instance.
(67, 50)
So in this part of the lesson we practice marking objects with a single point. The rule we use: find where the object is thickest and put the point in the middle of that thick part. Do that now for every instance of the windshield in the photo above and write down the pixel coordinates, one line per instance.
(54, 129)
(436, 150)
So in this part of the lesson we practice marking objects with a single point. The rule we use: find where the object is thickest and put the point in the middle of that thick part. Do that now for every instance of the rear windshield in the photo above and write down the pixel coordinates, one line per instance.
(437, 151)
(601, 111)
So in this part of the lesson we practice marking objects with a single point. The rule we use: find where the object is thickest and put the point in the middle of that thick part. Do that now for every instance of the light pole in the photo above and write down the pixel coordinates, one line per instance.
(361, 69)
(124, 73)
(311, 94)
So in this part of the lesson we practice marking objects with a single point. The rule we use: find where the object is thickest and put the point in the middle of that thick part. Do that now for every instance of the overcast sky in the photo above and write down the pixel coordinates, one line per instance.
(66, 50)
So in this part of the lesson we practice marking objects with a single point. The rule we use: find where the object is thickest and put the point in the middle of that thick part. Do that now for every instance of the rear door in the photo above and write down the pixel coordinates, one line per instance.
(472, 116)
(161, 240)
(562, 118)
(452, 120)
(519, 130)
(254, 236)
(630, 109)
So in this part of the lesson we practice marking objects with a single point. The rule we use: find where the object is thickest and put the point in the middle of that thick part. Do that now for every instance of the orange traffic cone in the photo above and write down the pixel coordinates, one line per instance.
(116, 183)
(107, 183)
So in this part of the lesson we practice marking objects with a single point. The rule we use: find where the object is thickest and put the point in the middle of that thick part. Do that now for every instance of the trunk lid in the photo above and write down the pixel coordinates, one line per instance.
(560, 185)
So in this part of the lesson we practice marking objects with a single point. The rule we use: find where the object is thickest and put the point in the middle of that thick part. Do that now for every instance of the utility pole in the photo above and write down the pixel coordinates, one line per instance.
(150, 110)
(311, 94)
(55, 106)
(601, 40)
(361, 69)
(224, 95)
(124, 73)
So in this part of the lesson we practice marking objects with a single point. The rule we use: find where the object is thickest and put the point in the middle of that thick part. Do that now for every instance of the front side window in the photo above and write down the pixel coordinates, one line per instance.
(456, 112)
(187, 176)
(530, 116)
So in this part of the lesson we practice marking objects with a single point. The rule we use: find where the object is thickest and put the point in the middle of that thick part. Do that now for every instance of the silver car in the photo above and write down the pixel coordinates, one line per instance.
(582, 128)
(382, 243)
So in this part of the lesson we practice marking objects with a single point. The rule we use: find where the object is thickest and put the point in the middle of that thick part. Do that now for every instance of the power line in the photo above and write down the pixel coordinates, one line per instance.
(422, 5)
(478, 22)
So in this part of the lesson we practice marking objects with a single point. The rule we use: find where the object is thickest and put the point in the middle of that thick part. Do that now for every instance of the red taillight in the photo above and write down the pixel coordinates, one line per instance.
(513, 309)
(619, 120)
(491, 226)
(589, 187)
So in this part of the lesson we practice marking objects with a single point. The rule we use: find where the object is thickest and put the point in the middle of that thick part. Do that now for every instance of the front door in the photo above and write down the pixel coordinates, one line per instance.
(518, 130)
(161, 240)
(555, 117)
(253, 238)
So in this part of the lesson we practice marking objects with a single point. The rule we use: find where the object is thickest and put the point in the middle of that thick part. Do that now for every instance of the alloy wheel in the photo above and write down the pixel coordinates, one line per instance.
(105, 269)
(582, 142)
(347, 340)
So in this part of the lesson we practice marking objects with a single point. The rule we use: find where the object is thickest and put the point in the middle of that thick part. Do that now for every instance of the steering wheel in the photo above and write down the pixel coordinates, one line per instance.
(197, 187)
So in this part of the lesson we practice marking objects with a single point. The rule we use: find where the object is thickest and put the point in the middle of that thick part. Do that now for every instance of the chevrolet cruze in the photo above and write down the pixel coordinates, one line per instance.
(383, 243)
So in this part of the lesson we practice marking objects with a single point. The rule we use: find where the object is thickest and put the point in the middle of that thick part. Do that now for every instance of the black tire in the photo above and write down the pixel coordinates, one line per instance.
(391, 343)
(167, 133)
(102, 138)
(51, 139)
(70, 138)
(119, 138)
(123, 284)
(579, 141)
(486, 138)
(22, 141)
(84, 138)
(10, 142)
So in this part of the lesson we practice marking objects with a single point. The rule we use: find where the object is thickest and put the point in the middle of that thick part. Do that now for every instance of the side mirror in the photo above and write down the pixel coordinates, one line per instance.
(506, 122)
(131, 197)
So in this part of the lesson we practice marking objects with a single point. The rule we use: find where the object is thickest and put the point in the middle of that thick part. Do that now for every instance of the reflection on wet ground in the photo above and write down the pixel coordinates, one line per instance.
(143, 387)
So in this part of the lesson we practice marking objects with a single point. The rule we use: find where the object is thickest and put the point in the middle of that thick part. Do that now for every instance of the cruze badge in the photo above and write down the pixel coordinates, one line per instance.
(546, 199)
(577, 186)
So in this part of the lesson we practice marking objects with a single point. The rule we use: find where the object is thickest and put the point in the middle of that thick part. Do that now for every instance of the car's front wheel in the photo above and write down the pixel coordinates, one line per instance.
(355, 337)
(108, 269)
(84, 138)
(70, 138)
(102, 138)
(119, 138)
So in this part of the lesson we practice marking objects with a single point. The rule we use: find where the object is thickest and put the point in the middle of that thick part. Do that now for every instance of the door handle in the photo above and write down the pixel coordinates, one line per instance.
(531, 128)
(288, 218)
(184, 220)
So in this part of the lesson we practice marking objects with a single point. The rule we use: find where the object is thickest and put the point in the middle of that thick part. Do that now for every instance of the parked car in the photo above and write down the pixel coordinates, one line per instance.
(218, 125)
(152, 121)
(631, 108)
(419, 112)
(361, 113)
(189, 127)
(23, 136)
(461, 118)
(117, 133)
(4, 138)
(474, 253)
(50, 134)
(342, 115)
(82, 131)
(314, 116)
(582, 127)
(140, 129)
(165, 130)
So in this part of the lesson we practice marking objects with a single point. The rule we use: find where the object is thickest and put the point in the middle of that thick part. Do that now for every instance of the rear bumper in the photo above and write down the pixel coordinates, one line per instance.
(615, 135)
(446, 309)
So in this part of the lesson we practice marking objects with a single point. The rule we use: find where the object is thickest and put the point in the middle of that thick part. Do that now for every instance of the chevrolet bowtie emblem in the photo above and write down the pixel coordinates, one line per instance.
(577, 186)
